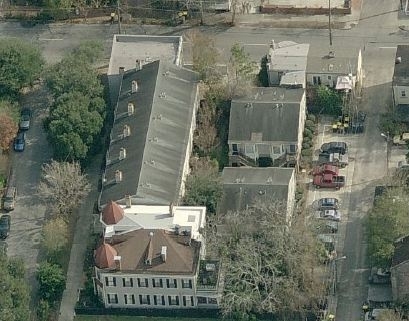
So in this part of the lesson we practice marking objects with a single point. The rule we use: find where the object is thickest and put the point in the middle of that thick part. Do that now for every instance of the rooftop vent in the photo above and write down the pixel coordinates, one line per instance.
(330, 67)
(239, 179)
(269, 180)
(398, 60)
(121, 70)
(131, 109)
(138, 64)
(122, 153)
(118, 176)
(163, 253)
(126, 131)
(162, 95)
(210, 267)
(249, 105)
(331, 54)
(134, 88)
(128, 201)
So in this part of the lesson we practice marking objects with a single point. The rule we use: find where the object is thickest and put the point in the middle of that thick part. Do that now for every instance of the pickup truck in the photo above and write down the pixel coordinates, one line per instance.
(335, 159)
(325, 169)
(328, 181)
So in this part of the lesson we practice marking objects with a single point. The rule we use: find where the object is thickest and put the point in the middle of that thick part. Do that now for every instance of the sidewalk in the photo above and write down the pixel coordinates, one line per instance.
(79, 246)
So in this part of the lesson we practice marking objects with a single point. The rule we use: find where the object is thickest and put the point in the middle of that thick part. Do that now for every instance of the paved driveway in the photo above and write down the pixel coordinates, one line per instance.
(28, 217)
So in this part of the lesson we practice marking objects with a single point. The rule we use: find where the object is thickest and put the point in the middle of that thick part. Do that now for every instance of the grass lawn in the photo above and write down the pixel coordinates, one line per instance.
(133, 318)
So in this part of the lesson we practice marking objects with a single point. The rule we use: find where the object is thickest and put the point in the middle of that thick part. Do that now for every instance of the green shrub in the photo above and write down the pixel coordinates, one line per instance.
(306, 145)
(308, 133)
(306, 152)
(307, 140)
(312, 118)
(2, 181)
(310, 124)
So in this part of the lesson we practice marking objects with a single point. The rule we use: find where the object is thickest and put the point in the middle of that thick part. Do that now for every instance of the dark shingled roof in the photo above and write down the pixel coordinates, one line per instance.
(136, 246)
(401, 73)
(272, 112)
(401, 253)
(243, 186)
(159, 133)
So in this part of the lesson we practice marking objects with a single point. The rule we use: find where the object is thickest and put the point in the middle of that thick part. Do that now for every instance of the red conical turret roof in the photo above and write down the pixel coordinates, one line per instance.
(112, 213)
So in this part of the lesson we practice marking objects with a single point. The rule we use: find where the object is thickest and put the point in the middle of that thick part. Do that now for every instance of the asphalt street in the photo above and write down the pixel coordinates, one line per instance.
(377, 34)
(28, 216)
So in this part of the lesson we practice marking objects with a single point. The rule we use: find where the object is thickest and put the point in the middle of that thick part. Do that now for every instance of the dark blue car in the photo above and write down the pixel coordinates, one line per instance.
(20, 142)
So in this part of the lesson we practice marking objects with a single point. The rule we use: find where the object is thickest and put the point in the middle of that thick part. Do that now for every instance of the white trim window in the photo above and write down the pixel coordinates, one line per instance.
(187, 284)
(112, 298)
(142, 282)
(127, 282)
(403, 93)
(144, 299)
(157, 283)
(129, 299)
(173, 299)
(171, 283)
(110, 281)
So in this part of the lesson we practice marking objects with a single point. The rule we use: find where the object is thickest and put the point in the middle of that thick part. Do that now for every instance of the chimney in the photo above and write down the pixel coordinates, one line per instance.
(126, 131)
(398, 60)
(128, 201)
(138, 64)
(163, 253)
(118, 176)
(149, 256)
(134, 86)
(121, 70)
(117, 260)
(122, 153)
(171, 212)
(131, 109)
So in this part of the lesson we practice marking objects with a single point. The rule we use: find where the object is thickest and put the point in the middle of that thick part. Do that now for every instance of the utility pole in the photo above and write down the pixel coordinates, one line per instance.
(329, 22)
(119, 17)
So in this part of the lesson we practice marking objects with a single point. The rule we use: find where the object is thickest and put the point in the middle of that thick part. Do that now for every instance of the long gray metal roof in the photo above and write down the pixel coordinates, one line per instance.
(160, 128)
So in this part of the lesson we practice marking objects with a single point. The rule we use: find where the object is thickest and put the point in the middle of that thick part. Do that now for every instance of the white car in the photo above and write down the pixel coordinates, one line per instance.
(333, 215)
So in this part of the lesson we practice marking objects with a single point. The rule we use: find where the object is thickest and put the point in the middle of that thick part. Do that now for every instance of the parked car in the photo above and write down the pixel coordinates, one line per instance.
(325, 169)
(335, 159)
(5, 222)
(334, 147)
(328, 181)
(9, 198)
(25, 118)
(333, 215)
(20, 142)
(328, 203)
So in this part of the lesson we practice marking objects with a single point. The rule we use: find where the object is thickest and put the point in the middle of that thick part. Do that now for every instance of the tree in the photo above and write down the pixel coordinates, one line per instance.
(76, 73)
(64, 186)
(204, 55)
(206, 132)
(241, 70)
(268, 265)
(51, 281)
(55, 235)
(388, 220)
(203, 186)
(20, 64)
(8, 130)
(74, 122)
(15, 299)
(328, 101)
